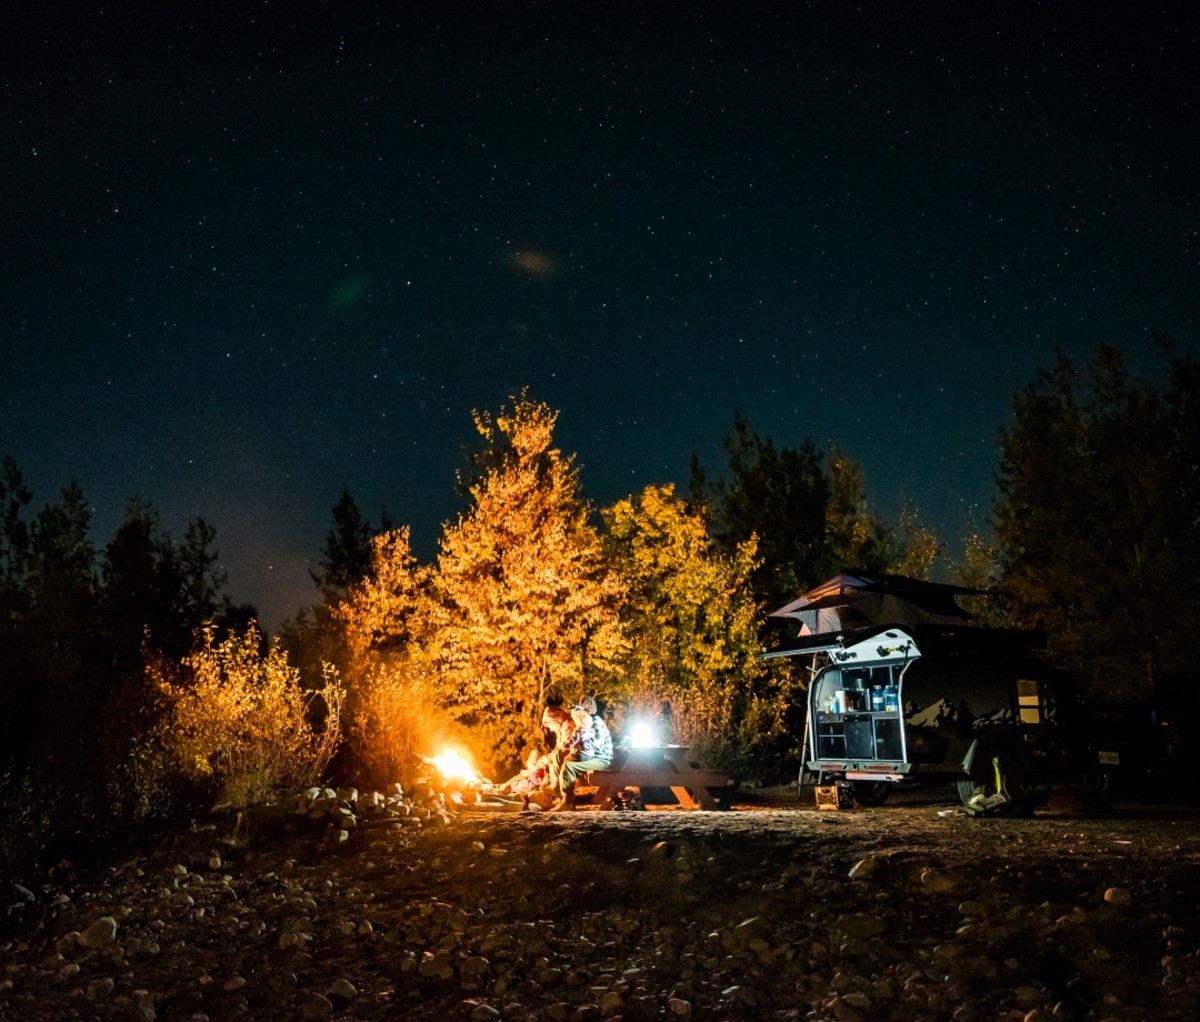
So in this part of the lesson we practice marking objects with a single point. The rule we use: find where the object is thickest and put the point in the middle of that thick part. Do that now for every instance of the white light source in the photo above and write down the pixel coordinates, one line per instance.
(642, 735)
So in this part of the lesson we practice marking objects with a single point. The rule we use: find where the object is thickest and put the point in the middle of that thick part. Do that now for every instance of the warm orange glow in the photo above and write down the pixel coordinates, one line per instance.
(454, 767)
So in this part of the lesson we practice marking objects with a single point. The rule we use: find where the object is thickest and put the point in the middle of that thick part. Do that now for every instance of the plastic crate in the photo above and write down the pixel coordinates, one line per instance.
(835, 796)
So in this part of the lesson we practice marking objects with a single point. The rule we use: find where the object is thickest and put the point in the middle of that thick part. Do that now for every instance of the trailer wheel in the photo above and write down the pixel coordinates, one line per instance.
(869, 794)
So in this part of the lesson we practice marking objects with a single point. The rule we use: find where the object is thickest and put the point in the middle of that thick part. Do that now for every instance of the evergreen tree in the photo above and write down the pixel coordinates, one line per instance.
(17, 687)
(1097, 544)
(780, 497)
(314, 636)
(811, 520)
(203, 580)
(62, 588)
(346, 555)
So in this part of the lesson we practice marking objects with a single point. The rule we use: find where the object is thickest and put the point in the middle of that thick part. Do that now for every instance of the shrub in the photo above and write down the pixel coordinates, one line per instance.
(395, 722)
(239, 723)
(25, 830)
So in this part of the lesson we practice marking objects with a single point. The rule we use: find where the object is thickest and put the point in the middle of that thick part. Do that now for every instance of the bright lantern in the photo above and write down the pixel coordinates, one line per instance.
(642, 735)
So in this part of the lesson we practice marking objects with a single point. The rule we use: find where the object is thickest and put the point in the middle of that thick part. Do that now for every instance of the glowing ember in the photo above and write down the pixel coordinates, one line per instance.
(454, 767)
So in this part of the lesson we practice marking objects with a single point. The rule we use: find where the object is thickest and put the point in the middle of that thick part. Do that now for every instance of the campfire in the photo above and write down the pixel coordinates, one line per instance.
(454, 777)
(453, 766)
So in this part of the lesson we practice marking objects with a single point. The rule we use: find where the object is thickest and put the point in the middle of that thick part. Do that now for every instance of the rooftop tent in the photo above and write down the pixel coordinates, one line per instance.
(858, 601)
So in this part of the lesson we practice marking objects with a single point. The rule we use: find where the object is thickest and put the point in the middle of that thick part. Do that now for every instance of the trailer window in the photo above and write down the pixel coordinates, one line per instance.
(1029, 701)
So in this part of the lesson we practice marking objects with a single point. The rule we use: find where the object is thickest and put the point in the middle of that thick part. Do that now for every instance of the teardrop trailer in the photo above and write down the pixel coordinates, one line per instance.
(917, 696)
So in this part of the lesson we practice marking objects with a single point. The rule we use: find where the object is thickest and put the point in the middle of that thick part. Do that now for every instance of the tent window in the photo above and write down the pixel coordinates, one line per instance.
(1029, 701)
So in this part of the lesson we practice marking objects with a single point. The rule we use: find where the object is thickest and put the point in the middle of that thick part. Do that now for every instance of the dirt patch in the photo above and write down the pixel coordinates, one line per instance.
(774, 910)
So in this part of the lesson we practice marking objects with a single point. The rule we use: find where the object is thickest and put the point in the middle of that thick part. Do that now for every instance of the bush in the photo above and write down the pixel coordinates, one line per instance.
(395, 722)
(25, 829)
(239, 723)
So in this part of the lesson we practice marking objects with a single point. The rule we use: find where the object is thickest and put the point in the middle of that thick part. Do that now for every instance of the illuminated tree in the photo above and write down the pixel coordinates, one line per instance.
(919, 547)
(690, 617)
(526, 607)
(387, 619)
(238, 722)
(979, 568)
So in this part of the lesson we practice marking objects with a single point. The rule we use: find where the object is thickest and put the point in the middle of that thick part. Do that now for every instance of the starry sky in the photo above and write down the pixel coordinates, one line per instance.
(252, 254)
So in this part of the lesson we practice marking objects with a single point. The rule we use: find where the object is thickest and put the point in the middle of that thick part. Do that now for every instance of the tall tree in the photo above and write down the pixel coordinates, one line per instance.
(203, 594)
(917, 546)
(14, 536)
(1097, 545)
(855, 538)
(386, 627)
(154, 589)
(346, 555)
(16, 685)
(138, 592)
(528, 606)
(978, 567)
(778, 495)
(811, 519)
(314, 636)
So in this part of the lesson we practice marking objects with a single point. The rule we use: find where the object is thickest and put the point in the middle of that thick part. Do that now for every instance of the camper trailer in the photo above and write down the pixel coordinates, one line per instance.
(925, 698)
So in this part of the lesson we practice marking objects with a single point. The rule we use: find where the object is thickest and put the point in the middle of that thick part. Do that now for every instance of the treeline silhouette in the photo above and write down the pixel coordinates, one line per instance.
(1094, 540)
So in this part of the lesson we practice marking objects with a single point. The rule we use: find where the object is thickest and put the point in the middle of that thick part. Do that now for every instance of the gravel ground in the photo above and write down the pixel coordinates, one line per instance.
(772, 911)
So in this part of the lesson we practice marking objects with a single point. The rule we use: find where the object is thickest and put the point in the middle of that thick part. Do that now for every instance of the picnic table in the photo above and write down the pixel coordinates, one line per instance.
(657, 768)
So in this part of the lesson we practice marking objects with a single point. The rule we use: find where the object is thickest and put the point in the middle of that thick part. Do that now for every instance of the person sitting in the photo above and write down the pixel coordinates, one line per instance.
(590, 748)
(535, 775)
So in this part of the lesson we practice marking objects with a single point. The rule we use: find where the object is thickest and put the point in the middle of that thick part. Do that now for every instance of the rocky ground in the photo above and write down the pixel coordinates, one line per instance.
(771, 911)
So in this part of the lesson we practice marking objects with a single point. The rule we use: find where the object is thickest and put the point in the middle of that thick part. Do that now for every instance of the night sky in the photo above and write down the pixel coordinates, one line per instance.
(254, 253)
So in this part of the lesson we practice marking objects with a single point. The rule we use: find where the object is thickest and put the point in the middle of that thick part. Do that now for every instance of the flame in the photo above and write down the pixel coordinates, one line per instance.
(452, 766)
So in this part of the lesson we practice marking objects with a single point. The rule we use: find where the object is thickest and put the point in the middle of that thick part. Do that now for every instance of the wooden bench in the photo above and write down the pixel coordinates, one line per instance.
(661, 767)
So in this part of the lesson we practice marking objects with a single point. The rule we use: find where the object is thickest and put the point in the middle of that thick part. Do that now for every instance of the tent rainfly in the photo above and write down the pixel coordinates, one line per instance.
(848, 601)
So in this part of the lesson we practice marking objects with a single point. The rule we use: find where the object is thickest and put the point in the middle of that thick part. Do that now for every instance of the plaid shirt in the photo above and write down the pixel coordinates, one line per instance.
(595, 741)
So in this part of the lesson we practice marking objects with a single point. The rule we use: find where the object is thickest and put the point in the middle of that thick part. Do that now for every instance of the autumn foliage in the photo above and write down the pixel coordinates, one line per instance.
(238, 723)
(521, 606)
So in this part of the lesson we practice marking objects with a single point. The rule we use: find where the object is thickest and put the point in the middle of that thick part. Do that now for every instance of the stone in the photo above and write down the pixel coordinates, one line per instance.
(859, 925)
(101, 933)
(100, 989)
(611, 1003)
(1119, 896)
(938, 881)
(864, 868)
(315, 1008)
